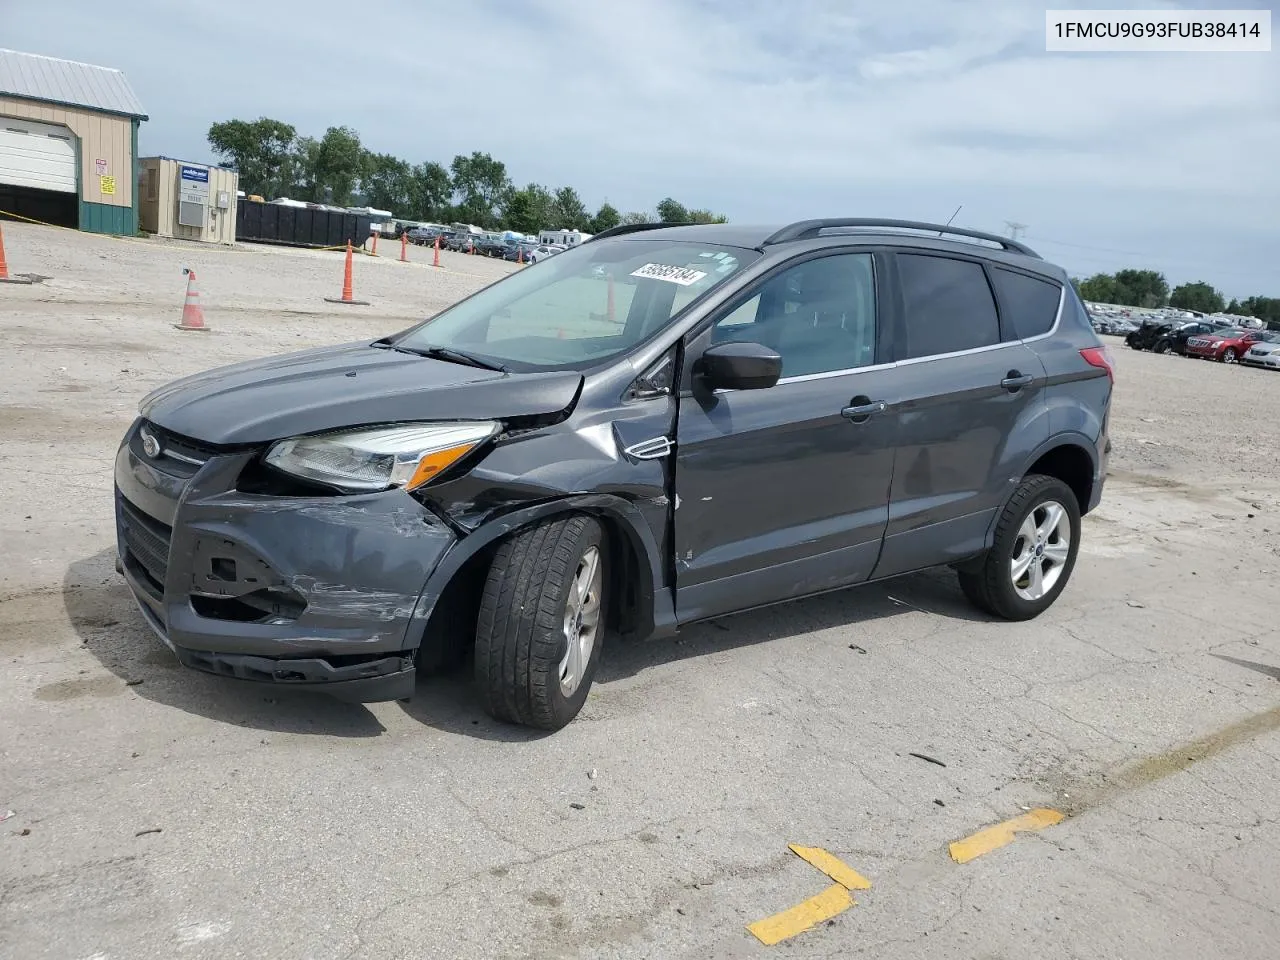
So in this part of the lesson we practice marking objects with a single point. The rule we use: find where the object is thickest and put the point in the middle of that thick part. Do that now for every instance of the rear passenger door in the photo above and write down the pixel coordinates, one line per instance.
(971, 406)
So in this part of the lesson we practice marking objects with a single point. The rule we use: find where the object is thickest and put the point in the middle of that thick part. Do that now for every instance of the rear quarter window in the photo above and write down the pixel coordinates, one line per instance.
(1030, 306)
(949, 306)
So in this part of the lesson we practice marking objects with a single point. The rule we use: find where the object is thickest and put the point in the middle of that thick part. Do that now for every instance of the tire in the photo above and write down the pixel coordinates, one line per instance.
(991, 586)
(1228, 355)
(525, 669)
(1162, 346)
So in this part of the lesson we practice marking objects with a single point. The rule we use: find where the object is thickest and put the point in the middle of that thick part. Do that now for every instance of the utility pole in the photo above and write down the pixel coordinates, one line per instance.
(1015, 229)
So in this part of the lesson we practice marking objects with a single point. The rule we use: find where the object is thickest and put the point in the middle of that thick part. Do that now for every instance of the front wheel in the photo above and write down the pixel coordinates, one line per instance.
(1162, 346)
(1228, 355)
(1030, 561)
(542, 622)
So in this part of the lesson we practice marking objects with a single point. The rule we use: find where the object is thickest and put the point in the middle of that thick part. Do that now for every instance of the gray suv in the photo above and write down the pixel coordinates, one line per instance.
(663, 425)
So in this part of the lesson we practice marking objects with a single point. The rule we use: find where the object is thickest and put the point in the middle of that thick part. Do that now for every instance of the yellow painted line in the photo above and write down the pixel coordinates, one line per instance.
(831, 902)
(992, 838)
(833, 867)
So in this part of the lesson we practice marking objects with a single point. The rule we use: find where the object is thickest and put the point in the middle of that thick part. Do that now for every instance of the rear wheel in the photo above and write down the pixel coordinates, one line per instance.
(542, 622)
(1030, 561)
(1162, 346)
(1228, 355)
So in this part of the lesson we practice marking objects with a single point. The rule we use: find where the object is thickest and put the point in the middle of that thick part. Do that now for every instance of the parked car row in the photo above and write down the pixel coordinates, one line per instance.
(1165, 336)
(1208, 339)
(502, 246)
(1231, 345)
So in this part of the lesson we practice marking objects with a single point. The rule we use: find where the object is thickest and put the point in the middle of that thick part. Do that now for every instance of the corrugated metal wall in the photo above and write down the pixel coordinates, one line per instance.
(101, 137)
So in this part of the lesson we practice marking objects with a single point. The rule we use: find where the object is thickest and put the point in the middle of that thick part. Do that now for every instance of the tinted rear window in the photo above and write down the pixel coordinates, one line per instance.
(1030, 306)
(949, 306)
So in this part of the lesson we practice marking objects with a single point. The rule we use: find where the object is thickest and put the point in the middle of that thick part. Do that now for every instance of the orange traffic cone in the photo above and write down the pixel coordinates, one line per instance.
(192, 313)
(436, 261)
(346, 286)
(519, 256)
(374, 251)
(404, 247)
(4, 267)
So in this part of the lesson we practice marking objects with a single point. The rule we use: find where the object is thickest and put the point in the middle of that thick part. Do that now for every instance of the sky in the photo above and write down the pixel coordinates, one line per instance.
(764, 111)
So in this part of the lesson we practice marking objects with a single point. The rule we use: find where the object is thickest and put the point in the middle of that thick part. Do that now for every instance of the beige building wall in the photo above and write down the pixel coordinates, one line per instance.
(158, 202)
(102, 137)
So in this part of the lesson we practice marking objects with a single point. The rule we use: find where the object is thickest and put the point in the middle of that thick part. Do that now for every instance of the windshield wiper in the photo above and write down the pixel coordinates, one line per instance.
(452, 355)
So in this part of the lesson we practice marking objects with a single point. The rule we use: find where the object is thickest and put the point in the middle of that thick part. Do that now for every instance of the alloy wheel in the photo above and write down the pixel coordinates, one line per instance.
(1041, 550)
(581, 620)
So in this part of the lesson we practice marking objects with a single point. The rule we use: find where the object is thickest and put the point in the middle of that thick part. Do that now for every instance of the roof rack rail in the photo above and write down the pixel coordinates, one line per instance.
(808, 229)
(624, 228)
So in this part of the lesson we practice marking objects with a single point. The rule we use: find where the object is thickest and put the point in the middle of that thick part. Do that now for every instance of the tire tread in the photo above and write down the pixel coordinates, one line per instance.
(519, 630)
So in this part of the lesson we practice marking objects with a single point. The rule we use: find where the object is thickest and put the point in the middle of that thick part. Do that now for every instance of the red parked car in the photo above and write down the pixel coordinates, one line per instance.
(1225, 346)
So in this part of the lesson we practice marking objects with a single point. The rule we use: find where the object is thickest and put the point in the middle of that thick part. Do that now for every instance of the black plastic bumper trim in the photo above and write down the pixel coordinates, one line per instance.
(390, 678)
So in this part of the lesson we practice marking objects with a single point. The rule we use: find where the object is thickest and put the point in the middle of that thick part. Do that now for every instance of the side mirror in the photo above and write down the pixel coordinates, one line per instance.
(739, 366)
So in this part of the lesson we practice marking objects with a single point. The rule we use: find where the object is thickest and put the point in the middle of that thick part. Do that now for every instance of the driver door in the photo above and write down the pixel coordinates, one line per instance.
(784, 491)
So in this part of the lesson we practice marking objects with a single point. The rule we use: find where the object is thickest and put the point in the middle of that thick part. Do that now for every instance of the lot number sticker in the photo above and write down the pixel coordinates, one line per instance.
(662, 271)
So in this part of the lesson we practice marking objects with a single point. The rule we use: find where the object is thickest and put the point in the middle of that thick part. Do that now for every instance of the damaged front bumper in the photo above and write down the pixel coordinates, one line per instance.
(319, 593)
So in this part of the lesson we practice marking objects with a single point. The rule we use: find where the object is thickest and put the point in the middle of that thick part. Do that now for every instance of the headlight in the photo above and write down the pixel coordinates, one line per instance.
(382, 457)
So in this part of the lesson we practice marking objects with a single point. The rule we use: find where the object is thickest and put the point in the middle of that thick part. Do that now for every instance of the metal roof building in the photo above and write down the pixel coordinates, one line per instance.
(68, 143)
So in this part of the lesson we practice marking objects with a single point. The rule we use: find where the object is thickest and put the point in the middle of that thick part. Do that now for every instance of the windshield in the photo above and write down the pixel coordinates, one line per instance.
(582, 307)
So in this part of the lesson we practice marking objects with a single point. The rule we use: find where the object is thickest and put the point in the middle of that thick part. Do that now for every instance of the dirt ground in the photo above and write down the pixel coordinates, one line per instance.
(150, 811)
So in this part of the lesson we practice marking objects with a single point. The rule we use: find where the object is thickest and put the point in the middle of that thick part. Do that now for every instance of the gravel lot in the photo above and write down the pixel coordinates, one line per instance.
(157, 812)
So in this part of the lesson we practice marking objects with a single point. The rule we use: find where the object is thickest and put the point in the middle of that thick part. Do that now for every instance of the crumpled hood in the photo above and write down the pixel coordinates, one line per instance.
(349, 385)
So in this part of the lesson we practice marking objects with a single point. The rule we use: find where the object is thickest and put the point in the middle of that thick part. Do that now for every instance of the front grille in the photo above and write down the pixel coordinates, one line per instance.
(147, 540)
(179, 456)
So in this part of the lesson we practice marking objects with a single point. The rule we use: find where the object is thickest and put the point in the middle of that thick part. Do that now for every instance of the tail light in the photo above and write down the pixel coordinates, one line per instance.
(1099, 357)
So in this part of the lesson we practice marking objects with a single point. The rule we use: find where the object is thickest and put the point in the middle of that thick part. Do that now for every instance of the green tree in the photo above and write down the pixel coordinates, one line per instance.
(706, 216)
(527, 210)
(259, 150)
(568, 211)
(606, 218)
(429, 191)
(1264, 308)
(339, 162)
(1100, 288)
(671, 211)
(1234, 306)
(479, 184)
(637, 217)
(1196, 296)
(1142, 288)
(387, 183)
(303, 170)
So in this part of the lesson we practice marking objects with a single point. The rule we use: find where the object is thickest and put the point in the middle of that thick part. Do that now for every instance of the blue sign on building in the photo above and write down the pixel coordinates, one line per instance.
(195, 174)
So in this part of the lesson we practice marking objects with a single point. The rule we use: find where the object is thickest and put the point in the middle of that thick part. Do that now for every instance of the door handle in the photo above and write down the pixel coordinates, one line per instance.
(1014, 381)
(861, 409)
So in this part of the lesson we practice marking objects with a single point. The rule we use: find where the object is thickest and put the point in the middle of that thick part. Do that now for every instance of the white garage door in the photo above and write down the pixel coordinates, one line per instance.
(37, 155)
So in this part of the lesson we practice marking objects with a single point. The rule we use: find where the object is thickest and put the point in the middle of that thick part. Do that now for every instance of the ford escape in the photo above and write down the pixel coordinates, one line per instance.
(663, 425)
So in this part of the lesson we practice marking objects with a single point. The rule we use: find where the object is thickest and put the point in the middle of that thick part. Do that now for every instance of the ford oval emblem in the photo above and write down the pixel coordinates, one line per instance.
(150, 445)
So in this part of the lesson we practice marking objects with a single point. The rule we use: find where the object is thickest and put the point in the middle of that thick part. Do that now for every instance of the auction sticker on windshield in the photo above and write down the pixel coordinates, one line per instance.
(672, 274)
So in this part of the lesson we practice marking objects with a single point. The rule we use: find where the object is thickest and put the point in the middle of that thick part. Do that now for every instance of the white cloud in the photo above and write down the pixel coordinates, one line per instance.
(762, 109)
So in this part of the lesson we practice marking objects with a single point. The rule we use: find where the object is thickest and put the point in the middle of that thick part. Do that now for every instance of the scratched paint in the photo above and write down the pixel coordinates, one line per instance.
(1002, 834)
